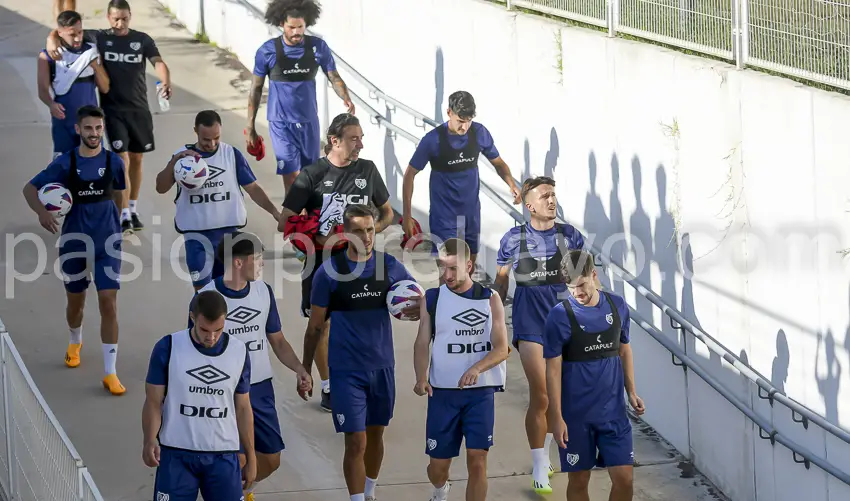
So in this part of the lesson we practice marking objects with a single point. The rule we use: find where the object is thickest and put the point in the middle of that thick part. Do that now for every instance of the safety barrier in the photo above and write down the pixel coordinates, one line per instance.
(801, 38)
(37, 460)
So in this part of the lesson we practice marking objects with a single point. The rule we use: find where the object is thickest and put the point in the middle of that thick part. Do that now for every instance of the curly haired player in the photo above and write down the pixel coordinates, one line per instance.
(291, 62)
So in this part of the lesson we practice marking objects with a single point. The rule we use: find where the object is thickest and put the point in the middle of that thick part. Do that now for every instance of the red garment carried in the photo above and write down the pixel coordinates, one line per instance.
(410, 243)
(258, 149)
(308, 226)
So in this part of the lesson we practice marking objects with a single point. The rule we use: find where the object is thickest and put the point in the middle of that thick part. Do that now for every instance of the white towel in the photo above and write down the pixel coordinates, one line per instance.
(73, 66)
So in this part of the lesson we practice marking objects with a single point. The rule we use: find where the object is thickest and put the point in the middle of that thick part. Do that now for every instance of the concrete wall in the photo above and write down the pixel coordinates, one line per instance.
(723, 191)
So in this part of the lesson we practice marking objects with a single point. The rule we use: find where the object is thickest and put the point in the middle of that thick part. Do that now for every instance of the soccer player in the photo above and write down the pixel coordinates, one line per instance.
(197, 412)
(63, 5)
(291, 62)
(588, 364)
(351, 289)
(253, 319)
(534, 252)
(474, 363)
(129, 125)
(205, 215)
(452, 150)
(329, 186)
(74, 81)
(91, 235)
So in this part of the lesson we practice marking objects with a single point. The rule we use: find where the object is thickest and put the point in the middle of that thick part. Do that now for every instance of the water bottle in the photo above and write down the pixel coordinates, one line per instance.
(164, 105)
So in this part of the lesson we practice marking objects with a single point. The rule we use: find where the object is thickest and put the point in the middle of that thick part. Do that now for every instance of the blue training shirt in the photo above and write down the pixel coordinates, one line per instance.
(244, 176)
(591, 391)
(457, 192)
(161, 354)
(98, 220)
(531, 305)
(292, 102)
(430, 299)
(360, 340)
(80, 94)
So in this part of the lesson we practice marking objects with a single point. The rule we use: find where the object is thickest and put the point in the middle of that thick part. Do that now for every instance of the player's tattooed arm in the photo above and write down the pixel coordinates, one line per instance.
(503, 280)
(255, 96)
(341, 89)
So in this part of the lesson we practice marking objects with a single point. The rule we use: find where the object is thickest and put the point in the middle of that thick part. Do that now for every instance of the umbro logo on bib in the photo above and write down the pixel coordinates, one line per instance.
(242, 315)
(214, 172)
(470, 317)
(208, 374)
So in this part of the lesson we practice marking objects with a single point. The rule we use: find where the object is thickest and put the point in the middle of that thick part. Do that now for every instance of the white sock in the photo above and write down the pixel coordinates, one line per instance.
(110, 356)
(370, 486)
(441, 493)
(358, 497)
(540, 458)
(76, 336)
(125, 214)
(133, 206)
(326, 385)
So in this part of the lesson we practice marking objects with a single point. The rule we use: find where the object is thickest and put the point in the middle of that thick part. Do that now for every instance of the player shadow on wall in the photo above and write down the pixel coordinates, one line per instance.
(640, 242)
(550, 162)
(439, 86)
(829, 384)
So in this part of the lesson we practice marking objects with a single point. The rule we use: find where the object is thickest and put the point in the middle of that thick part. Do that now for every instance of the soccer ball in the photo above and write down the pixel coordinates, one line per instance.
(398, 297)
(191, 173)
(56, 199)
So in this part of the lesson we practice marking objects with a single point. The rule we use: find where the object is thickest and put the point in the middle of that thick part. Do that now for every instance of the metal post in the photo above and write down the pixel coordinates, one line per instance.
(11, 460)
(612, 16)
(201, 24)
(745, 33)
(509, 4)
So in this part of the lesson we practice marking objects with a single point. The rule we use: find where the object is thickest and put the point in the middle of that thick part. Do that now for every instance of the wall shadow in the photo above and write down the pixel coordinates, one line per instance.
(640, 241)
(550, 162)
(596, 221)
(439, 86)
(526, 173)
(779, 367)
(617, 228)
(828, 384)
(665, 252)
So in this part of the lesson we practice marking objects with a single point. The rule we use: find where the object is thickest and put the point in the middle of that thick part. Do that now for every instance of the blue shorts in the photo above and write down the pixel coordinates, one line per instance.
(267, 438)
(200, 256)
(296, 145)
(530, 338)
(65, 137)
(455, 415)
(597, 444)
(444, 229)
(362, 398)
(77, 269)
(181, 474)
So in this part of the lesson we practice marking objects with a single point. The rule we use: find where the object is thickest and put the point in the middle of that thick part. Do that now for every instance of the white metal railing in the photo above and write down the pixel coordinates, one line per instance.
(38, 462)
(807, 39)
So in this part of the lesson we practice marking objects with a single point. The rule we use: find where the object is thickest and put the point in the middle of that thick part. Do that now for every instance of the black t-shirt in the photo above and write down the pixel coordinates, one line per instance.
(125, 60)
(329, 188)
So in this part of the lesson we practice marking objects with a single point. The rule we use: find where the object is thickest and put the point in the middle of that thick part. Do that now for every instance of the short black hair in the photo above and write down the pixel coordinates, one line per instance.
(210, 305)
(533, 182)
(238, 244)
(68, 18)
(337, 127)
(357, 210)
(118, 4)
(207, 118)
(88, 111)
(462, 104)
(279, 10)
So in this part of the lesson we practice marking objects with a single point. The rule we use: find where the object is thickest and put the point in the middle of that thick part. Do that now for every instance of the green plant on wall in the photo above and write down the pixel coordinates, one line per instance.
(559, 56)
(672, 131)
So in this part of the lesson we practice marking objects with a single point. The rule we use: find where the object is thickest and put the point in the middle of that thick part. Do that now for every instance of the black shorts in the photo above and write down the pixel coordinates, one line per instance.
(307, 281)
(130, 130)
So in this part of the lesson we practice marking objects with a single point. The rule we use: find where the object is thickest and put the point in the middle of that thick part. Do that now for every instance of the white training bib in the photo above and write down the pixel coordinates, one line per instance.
(219, 203)
(462, 329)
(72, 66)
(199, 413)
(246, 321)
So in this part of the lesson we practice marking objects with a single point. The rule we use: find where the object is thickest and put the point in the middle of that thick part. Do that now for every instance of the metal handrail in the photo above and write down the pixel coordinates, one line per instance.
(766, 389)
(766, 430)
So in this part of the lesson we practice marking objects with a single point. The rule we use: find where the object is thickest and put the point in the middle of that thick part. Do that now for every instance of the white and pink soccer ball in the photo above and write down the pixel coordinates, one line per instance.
(191, 172)
(399, 295)
(56, 199)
